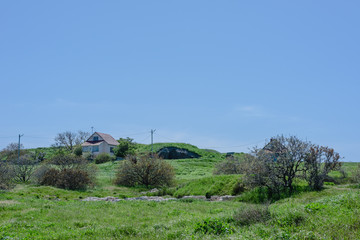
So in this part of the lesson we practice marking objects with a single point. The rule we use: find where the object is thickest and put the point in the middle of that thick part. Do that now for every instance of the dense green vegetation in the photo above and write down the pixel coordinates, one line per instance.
(30, 211)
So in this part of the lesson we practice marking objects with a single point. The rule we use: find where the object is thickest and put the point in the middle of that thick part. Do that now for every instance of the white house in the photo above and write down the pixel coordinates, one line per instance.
(98, 143)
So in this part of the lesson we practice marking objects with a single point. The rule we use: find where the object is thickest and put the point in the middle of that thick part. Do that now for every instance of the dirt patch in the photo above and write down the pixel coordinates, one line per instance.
(7, 202)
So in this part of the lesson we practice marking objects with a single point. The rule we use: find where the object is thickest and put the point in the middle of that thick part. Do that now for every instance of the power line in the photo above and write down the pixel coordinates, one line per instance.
(133, 134)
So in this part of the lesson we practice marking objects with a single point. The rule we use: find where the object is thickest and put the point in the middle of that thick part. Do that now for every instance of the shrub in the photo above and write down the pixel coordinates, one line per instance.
(318, 163)
(67, 161)
(78, 151)
(71, 179)
(47, 176)
(213, 226)
(88, 156)
(23, 168)
(6, 175)
(145, 170)
(126, 147)
(103, 158)
(252, 214)
(67, 172)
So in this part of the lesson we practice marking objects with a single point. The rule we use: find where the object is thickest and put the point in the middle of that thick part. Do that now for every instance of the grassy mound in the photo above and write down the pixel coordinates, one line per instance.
(214, 185)
(202, 152)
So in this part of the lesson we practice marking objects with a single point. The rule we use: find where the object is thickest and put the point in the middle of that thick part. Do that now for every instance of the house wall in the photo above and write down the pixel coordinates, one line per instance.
(103, 147)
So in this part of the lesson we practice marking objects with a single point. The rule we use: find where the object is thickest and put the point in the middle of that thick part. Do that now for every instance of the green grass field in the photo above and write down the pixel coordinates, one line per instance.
(38, 212)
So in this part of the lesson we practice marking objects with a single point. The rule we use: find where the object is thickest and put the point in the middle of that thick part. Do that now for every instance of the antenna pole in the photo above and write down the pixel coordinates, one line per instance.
(20, 135)
(152, 140)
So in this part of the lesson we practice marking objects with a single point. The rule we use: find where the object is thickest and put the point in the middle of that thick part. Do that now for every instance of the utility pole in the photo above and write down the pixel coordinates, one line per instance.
(20, 135)
(152, 134)
(92, 130)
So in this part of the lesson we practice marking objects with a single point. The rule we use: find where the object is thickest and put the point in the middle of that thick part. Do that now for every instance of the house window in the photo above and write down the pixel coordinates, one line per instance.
(111, 149)
(95, 148)
(85, 149)
(96, 138)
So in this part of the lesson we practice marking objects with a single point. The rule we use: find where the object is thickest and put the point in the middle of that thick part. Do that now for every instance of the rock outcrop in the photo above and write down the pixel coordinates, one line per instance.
(176, 153)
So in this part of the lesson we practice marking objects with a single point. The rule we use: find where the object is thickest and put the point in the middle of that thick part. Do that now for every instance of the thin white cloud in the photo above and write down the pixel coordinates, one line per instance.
(251, 111)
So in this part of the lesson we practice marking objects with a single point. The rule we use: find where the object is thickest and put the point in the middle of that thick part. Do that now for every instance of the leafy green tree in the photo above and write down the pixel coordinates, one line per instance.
(78, 151)
(126, 146)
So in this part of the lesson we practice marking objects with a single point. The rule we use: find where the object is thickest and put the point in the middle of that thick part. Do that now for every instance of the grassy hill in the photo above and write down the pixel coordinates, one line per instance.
(202, 152)
(39, 212)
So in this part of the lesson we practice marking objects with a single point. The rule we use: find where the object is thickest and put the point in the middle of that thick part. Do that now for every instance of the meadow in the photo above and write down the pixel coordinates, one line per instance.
(30, 211)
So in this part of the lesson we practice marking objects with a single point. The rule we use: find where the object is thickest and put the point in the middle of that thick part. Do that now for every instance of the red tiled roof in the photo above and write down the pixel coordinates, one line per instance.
(108, 138)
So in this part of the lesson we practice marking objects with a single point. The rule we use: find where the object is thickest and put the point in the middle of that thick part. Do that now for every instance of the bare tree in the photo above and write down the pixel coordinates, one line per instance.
(11, 151)
(23, 168)
(70, 139)
(6, 175)
(318, 163)
(278, 163)
(81, 137)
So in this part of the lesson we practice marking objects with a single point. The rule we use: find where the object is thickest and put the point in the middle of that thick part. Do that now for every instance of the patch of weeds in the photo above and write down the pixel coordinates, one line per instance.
(256, 195)
(292, 219)
(160, 227)
(175, 235)
(213, 226)
(329, 183)
(152, 203)
(252, 214)
(216, 210)
(81, 224)
(175, 212)
(315, 206)
(124, 231)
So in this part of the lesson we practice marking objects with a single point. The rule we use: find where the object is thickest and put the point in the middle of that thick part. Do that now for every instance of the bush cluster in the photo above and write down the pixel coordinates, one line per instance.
(67, 172)
(103, 158)
(6, 175)
(213, 226)
(252, 214)
(282, 160)
(145, 170)
(71, 179)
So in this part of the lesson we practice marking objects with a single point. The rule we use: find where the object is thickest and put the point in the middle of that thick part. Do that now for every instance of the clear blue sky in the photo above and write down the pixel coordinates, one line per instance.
(216, 74)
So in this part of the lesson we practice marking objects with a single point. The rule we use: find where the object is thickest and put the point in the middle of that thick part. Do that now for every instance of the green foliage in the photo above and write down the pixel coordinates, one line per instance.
(103, 158)
(252, 214)
(78, 151)
(315, 206)
(213, 226)
(126, 147)
(145, 170)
